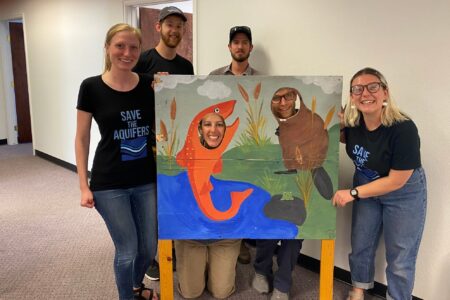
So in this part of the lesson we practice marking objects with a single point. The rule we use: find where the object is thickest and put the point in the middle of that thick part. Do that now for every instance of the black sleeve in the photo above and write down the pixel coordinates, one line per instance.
(84, 103)
(406, 147)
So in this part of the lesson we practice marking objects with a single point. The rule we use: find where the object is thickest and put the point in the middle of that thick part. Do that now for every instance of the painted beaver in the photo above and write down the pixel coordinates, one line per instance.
(302, 137)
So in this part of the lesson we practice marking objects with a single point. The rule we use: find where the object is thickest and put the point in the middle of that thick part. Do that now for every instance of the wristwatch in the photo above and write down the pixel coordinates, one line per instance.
(354, 193)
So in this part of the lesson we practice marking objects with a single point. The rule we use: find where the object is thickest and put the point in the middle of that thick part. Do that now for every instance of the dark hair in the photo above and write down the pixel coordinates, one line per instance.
(202, 140)
(289, 88)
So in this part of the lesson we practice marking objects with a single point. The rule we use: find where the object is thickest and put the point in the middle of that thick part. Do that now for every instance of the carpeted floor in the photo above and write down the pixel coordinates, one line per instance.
(51, 248)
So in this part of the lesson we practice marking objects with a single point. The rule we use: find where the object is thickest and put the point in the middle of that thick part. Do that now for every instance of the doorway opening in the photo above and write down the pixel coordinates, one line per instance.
(15, 83)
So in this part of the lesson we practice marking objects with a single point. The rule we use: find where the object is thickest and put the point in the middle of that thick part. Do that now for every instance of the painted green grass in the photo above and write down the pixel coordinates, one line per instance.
(256, 165)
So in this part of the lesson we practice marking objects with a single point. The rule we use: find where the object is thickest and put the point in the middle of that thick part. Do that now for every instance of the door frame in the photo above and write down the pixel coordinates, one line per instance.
(8, 78)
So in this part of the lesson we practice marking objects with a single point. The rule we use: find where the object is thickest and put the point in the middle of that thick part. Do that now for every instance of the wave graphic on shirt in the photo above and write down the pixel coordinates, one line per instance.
(134, 149)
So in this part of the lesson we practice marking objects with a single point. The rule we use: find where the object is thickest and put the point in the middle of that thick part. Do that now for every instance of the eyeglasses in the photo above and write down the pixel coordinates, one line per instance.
(372, 87)
(291, 96)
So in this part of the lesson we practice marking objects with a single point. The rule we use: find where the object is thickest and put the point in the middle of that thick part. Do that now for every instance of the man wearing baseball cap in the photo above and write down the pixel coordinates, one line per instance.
(240, 46)
(191, 254)
(163, 59)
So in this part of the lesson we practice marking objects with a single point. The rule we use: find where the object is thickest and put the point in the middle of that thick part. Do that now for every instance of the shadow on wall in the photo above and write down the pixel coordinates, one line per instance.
(259, 60)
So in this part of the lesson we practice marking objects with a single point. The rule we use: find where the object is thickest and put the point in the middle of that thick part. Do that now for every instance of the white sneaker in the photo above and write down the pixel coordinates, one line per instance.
(260, 284)
(277, 295)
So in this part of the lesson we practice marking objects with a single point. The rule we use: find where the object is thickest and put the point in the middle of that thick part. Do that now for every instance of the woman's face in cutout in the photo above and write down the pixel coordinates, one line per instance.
(212, 130)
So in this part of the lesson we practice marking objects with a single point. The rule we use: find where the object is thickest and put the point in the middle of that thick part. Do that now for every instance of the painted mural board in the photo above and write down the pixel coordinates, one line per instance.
(272, 176)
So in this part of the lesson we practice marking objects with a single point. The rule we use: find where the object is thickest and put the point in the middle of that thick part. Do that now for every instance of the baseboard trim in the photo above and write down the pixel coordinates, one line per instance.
(313, 264)
(3, 142)
(56, 161)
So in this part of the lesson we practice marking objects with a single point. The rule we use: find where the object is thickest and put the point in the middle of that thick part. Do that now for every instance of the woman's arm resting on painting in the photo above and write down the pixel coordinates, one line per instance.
(395, 180)
(82, 141)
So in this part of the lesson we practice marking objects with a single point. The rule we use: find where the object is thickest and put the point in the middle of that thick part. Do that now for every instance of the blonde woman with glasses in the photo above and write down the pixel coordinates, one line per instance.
(389, 192)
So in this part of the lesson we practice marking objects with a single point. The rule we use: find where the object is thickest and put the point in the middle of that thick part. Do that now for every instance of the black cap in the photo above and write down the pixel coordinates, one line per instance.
(171, 10)
(241, 29)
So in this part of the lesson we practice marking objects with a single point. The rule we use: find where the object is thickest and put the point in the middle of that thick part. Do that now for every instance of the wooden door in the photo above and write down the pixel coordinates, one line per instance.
(150, 38)
(20, 82)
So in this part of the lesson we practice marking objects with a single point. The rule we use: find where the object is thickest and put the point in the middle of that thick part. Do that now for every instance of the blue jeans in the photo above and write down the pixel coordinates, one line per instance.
(401, 215)
(286, 259)
(130, 216)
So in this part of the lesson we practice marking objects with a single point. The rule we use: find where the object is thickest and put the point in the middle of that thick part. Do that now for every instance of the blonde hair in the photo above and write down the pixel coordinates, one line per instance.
(390, 114)
(120, 27)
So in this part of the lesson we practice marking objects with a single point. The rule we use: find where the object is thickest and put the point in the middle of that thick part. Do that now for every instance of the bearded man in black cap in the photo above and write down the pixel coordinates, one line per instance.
(240, 46)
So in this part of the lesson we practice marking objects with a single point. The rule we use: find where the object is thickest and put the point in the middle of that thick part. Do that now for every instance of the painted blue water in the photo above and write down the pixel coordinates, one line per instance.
(180, 218)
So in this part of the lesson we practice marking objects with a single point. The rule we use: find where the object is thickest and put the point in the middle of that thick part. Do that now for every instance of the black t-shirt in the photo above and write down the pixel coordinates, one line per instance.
(374, 153)
(150, 62)
(123, 157)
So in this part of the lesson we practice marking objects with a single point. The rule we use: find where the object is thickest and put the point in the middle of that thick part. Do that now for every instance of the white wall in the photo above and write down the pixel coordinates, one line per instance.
(407, 40)
(64, 44)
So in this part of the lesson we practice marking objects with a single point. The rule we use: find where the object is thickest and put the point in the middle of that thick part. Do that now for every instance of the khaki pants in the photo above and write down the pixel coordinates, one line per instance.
(216, 261)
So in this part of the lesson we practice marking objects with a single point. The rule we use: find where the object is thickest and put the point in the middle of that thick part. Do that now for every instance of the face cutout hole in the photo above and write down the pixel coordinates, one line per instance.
(211, 130)
(285, 102)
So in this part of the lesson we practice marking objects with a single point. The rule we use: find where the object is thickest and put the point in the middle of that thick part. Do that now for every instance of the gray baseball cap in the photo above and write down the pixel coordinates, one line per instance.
(171, 10)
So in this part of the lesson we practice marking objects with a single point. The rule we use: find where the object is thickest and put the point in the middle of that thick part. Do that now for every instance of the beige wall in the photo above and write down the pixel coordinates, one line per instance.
(64, 45)
(407, 40)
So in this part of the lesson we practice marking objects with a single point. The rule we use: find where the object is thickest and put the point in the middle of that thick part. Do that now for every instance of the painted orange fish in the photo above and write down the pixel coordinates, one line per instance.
(201, 163)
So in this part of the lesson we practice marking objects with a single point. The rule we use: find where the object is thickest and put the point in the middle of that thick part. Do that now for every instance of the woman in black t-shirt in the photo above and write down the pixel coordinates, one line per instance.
(389, 191)
(122, 186)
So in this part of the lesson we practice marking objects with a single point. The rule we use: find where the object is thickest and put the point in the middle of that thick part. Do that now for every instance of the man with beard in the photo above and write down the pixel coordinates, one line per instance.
(302, 137)
(240, 46)
(163, 59)
(221, 255)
